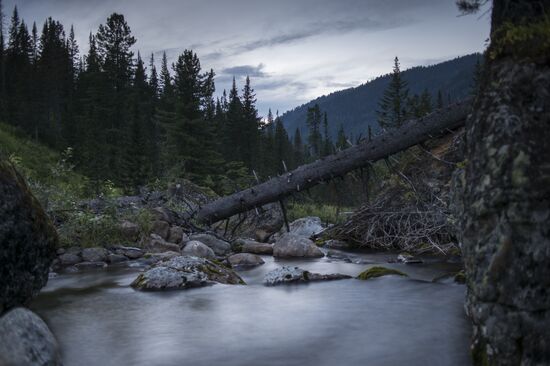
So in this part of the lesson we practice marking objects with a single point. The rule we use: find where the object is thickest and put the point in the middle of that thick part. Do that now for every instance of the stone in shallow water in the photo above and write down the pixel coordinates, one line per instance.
(184, 272)
(290, 245)
(245, 260)
(220, 247)
(286, 274)
(26, 340)
(198, 249)
(377, 271)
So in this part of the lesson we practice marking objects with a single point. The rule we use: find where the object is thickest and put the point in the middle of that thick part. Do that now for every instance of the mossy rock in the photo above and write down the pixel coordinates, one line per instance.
(460, 277)
(379, 272)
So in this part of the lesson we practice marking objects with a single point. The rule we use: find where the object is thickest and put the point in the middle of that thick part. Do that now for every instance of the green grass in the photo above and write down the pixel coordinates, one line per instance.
(327, 213)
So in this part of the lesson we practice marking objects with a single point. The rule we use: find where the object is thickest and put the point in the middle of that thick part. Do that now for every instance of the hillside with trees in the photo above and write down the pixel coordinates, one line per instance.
(354, 109)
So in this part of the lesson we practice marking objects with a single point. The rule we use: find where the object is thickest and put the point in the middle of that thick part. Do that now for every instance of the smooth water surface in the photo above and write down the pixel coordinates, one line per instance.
(99, 320)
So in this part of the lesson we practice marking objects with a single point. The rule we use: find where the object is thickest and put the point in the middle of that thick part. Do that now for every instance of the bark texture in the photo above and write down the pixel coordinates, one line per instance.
(307, 176)
(503, 200)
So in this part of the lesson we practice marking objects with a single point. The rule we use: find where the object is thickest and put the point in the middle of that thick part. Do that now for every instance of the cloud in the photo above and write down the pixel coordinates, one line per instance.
(246, 70)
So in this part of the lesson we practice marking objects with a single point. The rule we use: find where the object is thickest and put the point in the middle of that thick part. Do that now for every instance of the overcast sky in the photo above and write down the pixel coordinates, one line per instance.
(293, 50)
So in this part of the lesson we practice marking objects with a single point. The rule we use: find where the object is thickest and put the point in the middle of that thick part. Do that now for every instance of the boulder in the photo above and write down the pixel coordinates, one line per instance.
(129, 230)
(94, 254)
(69, 259)
(159, 245)
(176, 235)
(286, 274)
(198, 249)
(184, 272)
(252, 246)
(164, 214)
(306, 226)
(116, 258)
(245, 260)
(291, 245)
(153, 258)
(376, 271)
(28, 241)
(129, 252)
(26, 340)
(220, 247)
(161, 228)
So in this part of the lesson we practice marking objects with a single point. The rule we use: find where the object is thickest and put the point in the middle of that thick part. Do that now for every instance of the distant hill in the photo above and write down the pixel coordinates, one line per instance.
(355, 108)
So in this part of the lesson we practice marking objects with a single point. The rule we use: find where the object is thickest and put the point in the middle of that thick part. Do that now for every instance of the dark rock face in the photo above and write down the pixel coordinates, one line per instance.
(27, 241)
(26, 340)
(503, 203)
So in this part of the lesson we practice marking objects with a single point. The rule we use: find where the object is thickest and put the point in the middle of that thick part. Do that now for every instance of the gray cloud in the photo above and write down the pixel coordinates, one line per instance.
(246, 70)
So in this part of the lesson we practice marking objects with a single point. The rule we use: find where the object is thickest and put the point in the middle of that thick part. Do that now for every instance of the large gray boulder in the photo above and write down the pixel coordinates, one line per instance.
(129, 252)
(27, 241)
(252, 246)
(291, 245)
(94, 254)
(176, 235)
(197, 249)
(220, 247)
(161, 228)
(245, 260)
(285, 275)
(69, 259)
(25, 340)
(185, 272)
(159, 245)
(306, 226)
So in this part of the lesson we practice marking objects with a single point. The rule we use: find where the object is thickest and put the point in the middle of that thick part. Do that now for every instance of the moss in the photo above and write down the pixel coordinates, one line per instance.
(530, 40)
(379, 272)
(460, 277)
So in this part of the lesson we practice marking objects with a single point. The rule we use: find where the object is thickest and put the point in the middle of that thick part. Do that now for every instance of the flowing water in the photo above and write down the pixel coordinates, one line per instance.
(99, 320)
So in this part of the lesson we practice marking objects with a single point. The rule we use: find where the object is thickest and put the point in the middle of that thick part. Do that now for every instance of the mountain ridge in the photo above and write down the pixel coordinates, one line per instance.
(355, 108)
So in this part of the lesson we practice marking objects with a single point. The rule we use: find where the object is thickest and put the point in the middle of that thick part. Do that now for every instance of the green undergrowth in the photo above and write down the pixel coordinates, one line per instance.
(329, 214)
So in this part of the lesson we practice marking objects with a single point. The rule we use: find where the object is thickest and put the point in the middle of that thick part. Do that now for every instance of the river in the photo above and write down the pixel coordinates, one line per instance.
(99, 320)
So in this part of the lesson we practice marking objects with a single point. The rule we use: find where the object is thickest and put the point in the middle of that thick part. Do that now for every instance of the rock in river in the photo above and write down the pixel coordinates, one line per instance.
(296, 275)
(220, 247)
(184, 272)
(376, 271)
(290, 245)
(198, 249)
(26, 340)
(245, 260)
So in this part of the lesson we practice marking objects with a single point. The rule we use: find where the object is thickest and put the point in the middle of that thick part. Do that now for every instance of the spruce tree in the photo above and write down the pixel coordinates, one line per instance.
(327, 142)
(392, 108)
(298, 148)
(249, 127)
(314, 124)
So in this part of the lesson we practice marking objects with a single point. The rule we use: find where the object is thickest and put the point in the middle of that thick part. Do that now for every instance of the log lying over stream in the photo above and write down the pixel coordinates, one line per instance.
(412, 133)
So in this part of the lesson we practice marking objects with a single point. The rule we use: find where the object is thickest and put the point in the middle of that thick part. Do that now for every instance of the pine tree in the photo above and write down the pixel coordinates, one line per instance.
(392, 108)
(232, 133)
(153, 78)
(341, 140)
(72, 48)
(314, 124)
(327, 143)
(298, 148)
(283, 148)
(2, 65)
(114, 43)
(249, 127)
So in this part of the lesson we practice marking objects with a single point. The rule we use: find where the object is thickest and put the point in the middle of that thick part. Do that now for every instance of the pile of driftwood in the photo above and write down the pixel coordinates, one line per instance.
(423, 228)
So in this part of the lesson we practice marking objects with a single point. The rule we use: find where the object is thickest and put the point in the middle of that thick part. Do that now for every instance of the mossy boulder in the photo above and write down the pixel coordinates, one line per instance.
(374, 272)
(185, 272)
(27, 241)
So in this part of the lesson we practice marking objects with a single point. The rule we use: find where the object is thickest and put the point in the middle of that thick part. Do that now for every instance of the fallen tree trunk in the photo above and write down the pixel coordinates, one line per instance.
(306, 176)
